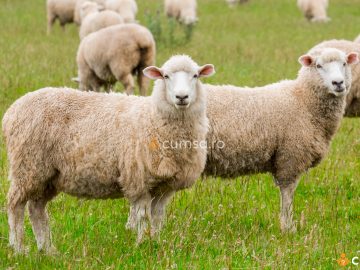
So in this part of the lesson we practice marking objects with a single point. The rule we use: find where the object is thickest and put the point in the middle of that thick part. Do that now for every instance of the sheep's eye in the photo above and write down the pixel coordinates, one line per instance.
(196, 76)
(318, 66)
(166, 76)
(344, 64)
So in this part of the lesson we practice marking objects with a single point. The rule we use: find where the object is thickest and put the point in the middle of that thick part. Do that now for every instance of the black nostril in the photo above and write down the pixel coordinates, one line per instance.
(337, 83)
(182, 97)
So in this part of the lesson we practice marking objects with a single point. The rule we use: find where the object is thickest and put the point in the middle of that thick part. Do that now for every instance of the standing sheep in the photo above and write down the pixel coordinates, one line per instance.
(78, 5)
(314, 10)
(63, 10)
(182, 10)
(94, 20)
(283, 128)
(114, 54)
(97, 145)
(126, 8)
(353, 97)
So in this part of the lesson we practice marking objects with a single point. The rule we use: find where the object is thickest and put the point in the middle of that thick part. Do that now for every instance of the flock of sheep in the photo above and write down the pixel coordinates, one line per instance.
(111, 145)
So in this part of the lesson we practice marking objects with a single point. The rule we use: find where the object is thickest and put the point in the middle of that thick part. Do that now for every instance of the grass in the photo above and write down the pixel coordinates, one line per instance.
(216, 224)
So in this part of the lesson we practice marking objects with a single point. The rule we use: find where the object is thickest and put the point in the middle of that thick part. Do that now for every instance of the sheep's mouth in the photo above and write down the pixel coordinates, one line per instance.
(182, 105)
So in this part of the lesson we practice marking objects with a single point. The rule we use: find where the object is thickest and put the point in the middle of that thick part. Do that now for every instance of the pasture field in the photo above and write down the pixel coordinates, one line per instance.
(217, 224)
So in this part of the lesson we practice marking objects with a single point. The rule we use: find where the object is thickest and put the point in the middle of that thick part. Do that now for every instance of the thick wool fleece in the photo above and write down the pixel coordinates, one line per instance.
(314, 10)
(126, 8)
(63, 10)
(182, 10)
(283, 128)
(114, 54)
(353, 98)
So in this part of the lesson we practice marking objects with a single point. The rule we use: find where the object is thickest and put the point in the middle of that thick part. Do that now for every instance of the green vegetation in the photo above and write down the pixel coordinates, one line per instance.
(217, 224)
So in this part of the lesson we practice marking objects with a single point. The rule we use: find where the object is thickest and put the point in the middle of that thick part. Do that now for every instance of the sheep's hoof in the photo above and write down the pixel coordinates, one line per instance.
(51, 251)
(22, 251)
(288, 228)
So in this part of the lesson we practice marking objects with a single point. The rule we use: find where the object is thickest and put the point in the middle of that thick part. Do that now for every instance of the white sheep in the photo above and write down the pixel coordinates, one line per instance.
(182, 10)
(283, 128)
(78, 5)
(126, 8)
(232, 3)
(94, 20)
(114, 54)
(98, 145)
(352, 108)
(63, 10)
(357, 39)
(314, 10)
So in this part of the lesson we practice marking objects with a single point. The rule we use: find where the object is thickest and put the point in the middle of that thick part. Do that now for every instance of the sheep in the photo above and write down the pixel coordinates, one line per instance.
(100, 146)
(115, 53)
(94, 20)
(314, 10)
(283, 128)
(357, 39)
(232, 3)
(353, 98)
(126, 8)
(182, 10)
(63, 10)
(78, 5)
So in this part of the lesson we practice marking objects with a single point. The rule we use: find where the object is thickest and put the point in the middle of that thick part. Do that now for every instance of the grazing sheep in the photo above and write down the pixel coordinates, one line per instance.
(314, 10)
(78, 5)
(232, 3)
(357, 39)
(114, 54)
(353, 97)
(126, 8)
(94, 20)
(63, 10)
(97, 145)
(283, 128)
(182, 10)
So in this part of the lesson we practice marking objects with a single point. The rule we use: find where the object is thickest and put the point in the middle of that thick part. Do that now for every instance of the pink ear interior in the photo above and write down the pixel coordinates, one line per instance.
(206, 70)
(153, 73)
(306, 60)
(352, 58)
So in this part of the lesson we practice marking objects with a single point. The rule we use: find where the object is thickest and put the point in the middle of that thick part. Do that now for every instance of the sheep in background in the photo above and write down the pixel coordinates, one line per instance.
(283, 128)
(100, 146)
(114, 54)
(182, 10)
(352, 108)
(314, 10)
(78, 5)
(63, 10)
(357, 39)
(94, 20)
(126, 8)
(232, 3)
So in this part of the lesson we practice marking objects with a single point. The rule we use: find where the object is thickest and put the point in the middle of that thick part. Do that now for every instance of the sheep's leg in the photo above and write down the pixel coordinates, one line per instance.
(131, 223)
(128, 82)
(142, 208)
(143, 83)
(51, 21)
(40, 224)
(16, 209)
(158, 210)
(286, 216)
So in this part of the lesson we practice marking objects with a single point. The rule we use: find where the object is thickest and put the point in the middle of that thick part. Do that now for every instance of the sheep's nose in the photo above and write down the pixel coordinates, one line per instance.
(337, 83)
(182, 98)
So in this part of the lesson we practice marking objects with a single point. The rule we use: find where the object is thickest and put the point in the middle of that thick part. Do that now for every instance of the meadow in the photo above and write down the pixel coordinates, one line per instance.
(217, 224)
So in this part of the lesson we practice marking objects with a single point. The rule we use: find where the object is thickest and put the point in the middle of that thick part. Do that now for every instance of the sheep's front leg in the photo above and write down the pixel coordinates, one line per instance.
(131, 222)
(142, 209)
(287, 198)
(158, 209)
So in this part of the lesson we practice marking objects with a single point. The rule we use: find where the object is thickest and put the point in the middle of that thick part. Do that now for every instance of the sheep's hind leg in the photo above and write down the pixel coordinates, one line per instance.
(128, 82)
(131, 222)
(16, 209)
(142, 208)
(287, 198)
(40, 223)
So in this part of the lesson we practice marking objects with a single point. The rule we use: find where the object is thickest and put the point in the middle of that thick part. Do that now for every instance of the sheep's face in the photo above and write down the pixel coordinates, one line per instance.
(182, 85)
(332, 67)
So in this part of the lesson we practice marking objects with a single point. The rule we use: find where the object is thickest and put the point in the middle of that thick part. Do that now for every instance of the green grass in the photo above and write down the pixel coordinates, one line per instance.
(216, 224)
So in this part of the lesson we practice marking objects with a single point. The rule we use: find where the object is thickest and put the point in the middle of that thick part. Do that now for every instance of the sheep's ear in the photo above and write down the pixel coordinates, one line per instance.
(306, 60)
(352, 58)
(153, 73)
(206, 70)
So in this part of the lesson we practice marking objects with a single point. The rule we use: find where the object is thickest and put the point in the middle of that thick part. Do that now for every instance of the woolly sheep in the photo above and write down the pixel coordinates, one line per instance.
(314, 10)
(63, 10)
(94, 20)
(182, 10)
(78, 5)
(283, 128)
(126, 8)
(114, 54)
(357, 39)
(99, 146)
(353, 98)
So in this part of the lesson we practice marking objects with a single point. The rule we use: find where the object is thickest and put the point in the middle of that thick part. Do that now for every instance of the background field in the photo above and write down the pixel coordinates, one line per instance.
(216, 224)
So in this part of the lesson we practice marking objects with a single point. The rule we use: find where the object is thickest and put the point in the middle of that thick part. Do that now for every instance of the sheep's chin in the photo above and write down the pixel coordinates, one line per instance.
(182, 107)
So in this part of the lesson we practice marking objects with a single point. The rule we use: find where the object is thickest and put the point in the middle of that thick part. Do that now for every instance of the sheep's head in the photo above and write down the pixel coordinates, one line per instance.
(331, 67)
(179, 77)
(87, 8)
